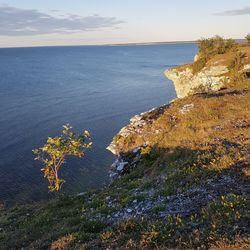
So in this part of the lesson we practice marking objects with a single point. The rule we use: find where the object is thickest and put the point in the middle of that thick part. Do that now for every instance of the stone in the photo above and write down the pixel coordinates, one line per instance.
(81, 194)
(113, 175)
(121, 166)
(186, 82)
(114, 164)
(129, 210)
(136, 150)
(186, 108)
(246, 67)
(196, 57)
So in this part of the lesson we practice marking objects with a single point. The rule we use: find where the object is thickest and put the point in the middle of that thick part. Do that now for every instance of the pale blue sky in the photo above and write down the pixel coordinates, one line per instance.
(69, 22)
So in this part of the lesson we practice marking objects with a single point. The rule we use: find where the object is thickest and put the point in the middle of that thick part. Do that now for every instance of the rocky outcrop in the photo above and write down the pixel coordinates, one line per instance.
(205, 75)
(133, 138)
(187, 83)
(135, 127)
(126, 161)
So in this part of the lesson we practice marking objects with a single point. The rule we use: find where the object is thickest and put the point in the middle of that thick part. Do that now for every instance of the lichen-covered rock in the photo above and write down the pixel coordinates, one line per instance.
(186, 82)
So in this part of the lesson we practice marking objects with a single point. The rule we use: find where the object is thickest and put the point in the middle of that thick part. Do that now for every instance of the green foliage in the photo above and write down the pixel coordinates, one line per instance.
(210, 47)
(224, 214)
(91, 226)
(215, 45)
(248, 39)
(236, 66)
(54, 152)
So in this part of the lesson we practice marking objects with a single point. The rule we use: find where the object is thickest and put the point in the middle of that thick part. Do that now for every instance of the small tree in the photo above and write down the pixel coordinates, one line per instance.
(236, 66)
(248, 39)
(214, 45)
(54, 152)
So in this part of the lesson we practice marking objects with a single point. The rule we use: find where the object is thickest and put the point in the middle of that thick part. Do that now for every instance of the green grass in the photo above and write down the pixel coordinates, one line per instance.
(177, 159)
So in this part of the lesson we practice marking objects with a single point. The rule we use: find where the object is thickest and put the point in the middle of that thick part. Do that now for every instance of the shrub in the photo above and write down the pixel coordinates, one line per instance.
(215, 45)
(235, 67)
(53, 153)
(210, 47)
(199, 65)
(248, 39)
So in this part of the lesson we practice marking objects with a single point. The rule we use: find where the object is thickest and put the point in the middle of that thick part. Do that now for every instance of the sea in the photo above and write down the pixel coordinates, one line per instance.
(94, 88)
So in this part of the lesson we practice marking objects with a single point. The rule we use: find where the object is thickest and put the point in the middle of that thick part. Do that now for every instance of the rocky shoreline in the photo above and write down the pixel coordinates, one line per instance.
(127, 161)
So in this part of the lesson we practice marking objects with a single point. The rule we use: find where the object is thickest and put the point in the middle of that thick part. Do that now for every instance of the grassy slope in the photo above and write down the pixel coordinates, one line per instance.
(219, 60)
(201, 155)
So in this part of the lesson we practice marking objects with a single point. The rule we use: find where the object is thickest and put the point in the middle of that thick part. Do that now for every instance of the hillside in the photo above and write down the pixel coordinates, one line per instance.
(180, 181)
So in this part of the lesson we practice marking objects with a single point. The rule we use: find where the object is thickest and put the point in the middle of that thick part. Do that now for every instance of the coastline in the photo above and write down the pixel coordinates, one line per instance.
(174, 170)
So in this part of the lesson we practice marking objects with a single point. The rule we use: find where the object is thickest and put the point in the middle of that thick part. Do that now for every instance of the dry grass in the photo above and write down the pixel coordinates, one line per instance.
(218, 60)
(215, 117)
(63, 242)
(238, 244)
(226, 59)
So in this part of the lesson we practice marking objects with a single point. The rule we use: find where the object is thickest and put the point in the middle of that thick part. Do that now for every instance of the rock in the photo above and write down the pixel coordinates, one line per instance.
(136, 150)
(246, 67)
(196, 58)
(129, 210)
(186, 108)
(113, 175)
(112, 149)
(135, 127)
(121, 166)
(186, 82)
(114, 165)
(81, 194)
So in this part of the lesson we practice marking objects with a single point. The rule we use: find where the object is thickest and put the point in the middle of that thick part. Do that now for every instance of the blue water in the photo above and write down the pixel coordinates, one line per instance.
(97, 88)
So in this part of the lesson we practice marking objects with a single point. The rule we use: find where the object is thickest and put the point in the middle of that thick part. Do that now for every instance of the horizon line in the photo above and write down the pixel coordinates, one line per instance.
(112, 44)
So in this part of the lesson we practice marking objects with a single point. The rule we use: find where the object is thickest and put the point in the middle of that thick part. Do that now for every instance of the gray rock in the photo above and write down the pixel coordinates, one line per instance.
(185, 81)
(121, 166)
(186, 108)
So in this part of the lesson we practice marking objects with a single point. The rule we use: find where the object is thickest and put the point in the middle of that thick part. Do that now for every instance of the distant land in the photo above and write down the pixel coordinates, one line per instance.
(150, 43)
(159, 43)
(119, 44)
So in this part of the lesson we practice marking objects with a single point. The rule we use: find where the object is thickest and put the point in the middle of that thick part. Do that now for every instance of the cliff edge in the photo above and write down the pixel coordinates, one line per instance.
(213, 74)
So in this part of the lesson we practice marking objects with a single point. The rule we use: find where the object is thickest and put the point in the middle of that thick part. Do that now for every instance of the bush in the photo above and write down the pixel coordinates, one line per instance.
(248, 39)
(210, 47)
(215, 45)
(199, 65)
(236, 66)
(53, 154)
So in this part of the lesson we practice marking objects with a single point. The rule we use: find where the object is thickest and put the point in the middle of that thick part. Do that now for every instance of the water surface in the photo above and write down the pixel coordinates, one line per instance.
(97, 88)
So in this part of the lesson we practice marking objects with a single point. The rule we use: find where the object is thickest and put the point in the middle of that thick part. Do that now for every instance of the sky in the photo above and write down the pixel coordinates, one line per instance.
(94, 22)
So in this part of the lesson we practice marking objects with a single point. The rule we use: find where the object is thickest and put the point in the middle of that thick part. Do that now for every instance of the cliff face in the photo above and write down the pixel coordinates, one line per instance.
(185, 81)
(214, 74)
